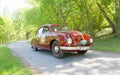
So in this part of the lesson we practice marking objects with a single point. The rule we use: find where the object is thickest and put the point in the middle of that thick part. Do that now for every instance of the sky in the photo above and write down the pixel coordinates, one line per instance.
(9, 6)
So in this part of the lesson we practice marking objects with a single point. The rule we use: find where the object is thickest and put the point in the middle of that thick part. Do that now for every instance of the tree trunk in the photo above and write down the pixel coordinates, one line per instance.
(62, 15)
(107, 18)
(117, 17)
(8, 37)
(63, 18)
(27, 35)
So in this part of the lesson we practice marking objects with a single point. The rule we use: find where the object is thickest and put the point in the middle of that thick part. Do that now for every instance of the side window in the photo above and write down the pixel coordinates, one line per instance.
(45, 29)
(39, 33)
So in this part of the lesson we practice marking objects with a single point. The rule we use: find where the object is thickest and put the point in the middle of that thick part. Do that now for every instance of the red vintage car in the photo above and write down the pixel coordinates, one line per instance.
(58, 40)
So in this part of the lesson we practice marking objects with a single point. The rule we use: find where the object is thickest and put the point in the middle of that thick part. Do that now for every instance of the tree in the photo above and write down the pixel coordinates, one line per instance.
(107, 18)
(1, 30)
(117, 17)
(7, 31)
(82, 15)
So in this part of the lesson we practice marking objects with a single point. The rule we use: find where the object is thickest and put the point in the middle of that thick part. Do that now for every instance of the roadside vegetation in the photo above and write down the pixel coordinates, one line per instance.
(107, 43)
(10, 64)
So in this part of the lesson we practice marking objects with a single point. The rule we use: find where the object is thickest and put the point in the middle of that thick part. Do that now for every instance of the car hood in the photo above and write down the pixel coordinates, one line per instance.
(75, 35)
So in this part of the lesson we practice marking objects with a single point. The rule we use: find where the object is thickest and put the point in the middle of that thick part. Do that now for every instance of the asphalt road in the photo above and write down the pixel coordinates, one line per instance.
(92, 63)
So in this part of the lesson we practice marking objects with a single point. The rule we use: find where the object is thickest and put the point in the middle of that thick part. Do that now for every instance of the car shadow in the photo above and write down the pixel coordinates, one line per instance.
(66, 54)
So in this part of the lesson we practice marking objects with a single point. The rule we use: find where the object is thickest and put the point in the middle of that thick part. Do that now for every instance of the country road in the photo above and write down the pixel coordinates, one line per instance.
(92, 63)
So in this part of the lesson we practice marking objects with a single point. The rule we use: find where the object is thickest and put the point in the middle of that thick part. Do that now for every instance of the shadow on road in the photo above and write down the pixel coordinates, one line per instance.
(89, 64)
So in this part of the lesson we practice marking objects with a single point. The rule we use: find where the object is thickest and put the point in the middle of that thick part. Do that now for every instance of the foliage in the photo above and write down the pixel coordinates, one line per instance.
(11, 65)
(89, 16)
(1, 29)
(23, 29)
(1, 21)
(82, 15)
(6, 30)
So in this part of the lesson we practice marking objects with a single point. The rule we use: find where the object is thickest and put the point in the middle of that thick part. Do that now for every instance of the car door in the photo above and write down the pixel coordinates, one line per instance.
(40, 37)
(43, 35)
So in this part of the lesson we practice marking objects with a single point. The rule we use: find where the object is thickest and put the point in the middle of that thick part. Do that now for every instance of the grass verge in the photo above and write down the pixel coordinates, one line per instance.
(107, 44)
(11, 65)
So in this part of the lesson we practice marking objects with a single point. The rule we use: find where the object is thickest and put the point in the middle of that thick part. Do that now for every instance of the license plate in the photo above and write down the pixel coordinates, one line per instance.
(85, 48)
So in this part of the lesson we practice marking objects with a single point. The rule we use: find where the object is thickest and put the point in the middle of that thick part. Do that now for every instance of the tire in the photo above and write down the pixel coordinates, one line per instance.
(82, 52)
(34, 48)
(56, 51)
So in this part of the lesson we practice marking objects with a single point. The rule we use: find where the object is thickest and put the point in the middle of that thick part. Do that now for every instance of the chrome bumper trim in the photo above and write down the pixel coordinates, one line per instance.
(75, 48)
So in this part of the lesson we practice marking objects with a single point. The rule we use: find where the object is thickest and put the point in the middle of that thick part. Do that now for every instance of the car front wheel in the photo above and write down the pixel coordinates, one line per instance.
(56, 51)
(82, 52)
(34, 48)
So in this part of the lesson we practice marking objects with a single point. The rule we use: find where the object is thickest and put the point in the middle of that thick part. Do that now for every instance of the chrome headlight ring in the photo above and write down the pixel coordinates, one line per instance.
(69, 40)
(91, 40)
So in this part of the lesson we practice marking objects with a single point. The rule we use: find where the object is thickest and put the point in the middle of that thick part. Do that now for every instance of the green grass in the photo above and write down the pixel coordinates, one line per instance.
(11, 65)
(111, 44)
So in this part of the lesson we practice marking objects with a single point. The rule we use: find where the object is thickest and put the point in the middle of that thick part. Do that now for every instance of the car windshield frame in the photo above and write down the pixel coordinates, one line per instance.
(57, 28)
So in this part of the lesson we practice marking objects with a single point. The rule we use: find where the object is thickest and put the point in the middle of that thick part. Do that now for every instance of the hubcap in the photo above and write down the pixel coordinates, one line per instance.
(56, 48)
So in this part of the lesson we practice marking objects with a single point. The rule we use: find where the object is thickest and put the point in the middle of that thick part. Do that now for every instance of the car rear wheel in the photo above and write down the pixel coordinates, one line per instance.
(82, 52)
(34, 48)
(56, 51)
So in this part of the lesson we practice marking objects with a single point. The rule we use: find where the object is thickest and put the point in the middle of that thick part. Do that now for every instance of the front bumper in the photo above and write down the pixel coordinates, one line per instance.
(75, 48)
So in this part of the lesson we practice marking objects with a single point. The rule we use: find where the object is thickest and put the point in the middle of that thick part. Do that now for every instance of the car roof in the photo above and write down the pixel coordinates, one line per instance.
(50, 25)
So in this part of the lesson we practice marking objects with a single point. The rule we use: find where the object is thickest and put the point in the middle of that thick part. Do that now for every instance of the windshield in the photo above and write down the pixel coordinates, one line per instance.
(59, 28)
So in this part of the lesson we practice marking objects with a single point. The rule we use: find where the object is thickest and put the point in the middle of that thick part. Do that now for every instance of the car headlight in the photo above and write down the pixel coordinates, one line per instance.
(91, 40)
(69, 40)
